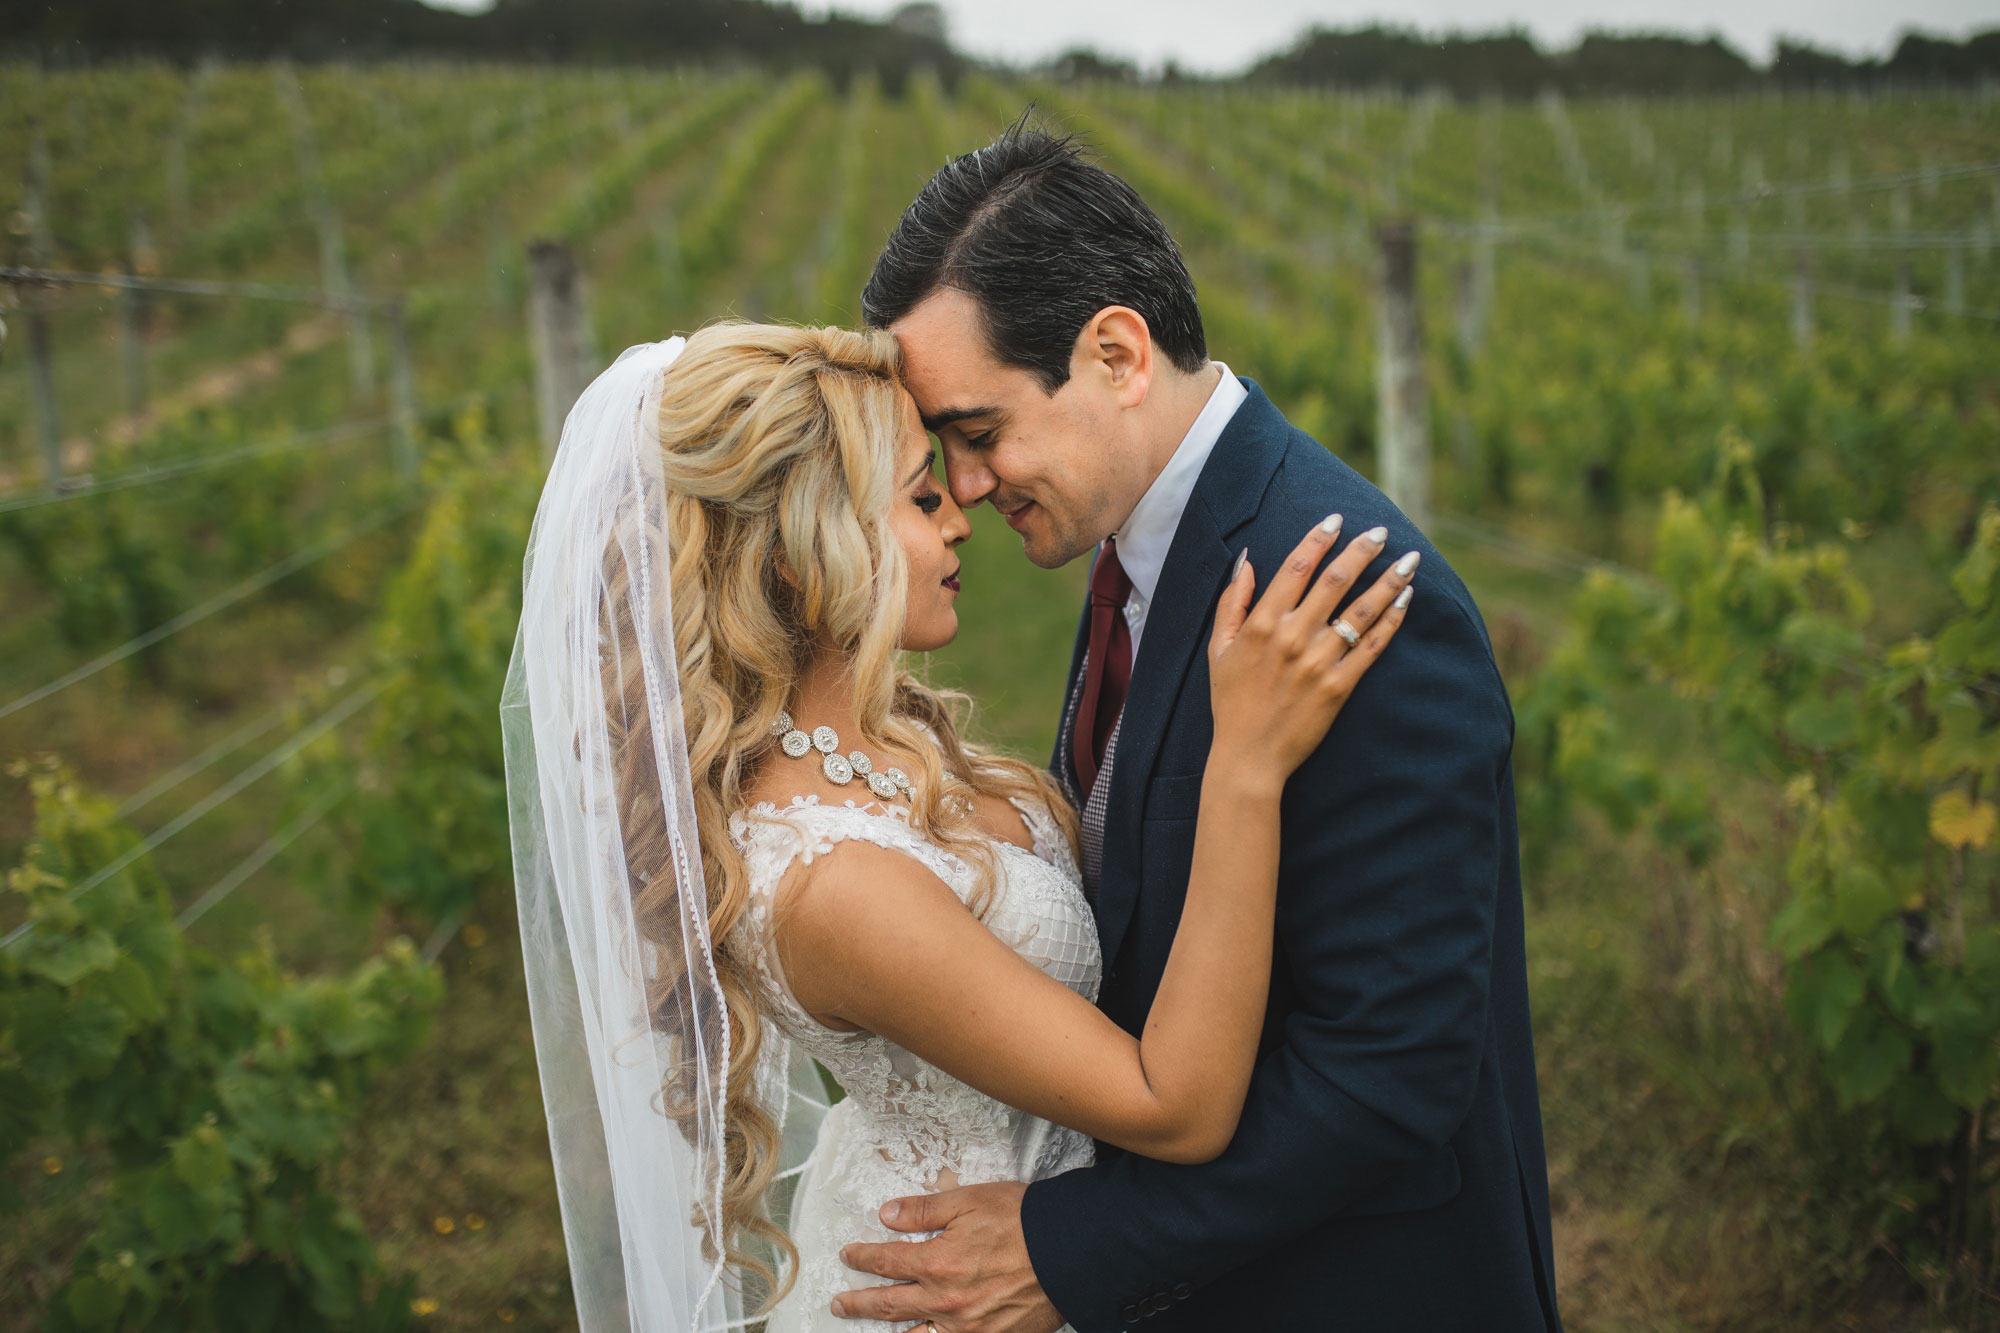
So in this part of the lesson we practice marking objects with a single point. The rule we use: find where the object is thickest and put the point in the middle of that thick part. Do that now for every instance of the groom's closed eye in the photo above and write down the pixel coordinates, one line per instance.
(986, 418)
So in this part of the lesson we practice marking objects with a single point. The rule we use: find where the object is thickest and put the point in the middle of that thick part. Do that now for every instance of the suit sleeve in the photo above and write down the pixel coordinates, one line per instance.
(1390, 867)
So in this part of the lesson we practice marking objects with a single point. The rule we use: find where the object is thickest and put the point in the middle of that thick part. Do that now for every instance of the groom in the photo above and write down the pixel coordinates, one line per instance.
(1388, 1170)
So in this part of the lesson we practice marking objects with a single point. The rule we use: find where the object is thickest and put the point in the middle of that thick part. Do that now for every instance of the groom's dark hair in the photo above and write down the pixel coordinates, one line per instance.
(1042, 240)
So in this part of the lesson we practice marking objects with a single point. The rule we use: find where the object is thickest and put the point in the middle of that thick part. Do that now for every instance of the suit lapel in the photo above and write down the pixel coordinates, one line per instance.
(1225, 497)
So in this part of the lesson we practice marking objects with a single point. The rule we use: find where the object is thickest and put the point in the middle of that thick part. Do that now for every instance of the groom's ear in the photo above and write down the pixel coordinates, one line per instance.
(1115, 349)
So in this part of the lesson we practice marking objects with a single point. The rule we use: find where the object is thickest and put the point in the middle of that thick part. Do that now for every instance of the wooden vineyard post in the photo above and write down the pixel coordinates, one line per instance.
(34, 308)
(41, 376)
(1402, 418)
(133, 313)
(501, 287)
(1954, 278)
(179, 197)
(132, 347)
(1902, 302)
(334, 277)
(1475, 305)
(1802, 301)
(403, 392)
(41, 231)
(556, 336)
(333, 274)
(1464, 305)
(1691, 290)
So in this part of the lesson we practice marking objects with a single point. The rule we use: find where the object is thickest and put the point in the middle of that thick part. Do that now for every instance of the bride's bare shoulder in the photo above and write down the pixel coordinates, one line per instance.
(851, 910)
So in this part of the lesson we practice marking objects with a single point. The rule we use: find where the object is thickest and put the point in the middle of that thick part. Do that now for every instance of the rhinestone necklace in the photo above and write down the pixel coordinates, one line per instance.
(840, 769)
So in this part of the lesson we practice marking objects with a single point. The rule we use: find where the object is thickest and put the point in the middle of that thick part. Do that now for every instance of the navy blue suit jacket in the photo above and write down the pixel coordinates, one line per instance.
(1388, 1171)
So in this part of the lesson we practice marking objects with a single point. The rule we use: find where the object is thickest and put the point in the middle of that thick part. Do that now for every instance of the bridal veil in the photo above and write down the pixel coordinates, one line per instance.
(629, 1021)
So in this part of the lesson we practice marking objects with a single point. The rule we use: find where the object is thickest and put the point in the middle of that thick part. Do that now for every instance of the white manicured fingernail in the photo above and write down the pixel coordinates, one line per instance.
(1237, 572)
(1380, 536)
(1403, 597)
(1407, 565)
(1330, 524)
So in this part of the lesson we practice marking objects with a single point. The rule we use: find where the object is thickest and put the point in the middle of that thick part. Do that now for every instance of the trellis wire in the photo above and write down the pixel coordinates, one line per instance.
(180, 773)
(320, 725)
(151, 473)
(255, 583)
(258, 859)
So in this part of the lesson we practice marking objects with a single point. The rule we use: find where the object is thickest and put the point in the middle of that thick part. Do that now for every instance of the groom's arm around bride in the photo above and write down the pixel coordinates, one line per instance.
(1388, 1169)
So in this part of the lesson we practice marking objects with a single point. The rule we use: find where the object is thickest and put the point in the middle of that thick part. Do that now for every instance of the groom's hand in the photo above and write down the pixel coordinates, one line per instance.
(975, 1278)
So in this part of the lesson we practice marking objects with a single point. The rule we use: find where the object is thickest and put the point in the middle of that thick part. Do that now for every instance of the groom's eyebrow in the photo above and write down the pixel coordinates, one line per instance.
(937, 421)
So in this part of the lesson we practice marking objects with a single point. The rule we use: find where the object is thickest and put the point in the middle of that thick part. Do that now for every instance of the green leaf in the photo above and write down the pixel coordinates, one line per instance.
(60, 1043)
(130, 985)
(68, 959)
(201, 1160)
(180, 1220)
(249, 1296)
(1921, 1111)
(21, 1108)
(1977, 578)
(93, 1302)
(1871, 1053)
(1825, 992)
(1821, 639)
(1967, 1063)
(1861, 898)
(1800, 927)
(1823, 723)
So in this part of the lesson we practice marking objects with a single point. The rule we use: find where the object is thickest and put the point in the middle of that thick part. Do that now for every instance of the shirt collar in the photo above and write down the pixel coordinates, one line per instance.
(1145, 537)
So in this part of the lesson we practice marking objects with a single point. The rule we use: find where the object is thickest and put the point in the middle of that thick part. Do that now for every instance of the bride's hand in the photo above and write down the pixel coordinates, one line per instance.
(1279, 672)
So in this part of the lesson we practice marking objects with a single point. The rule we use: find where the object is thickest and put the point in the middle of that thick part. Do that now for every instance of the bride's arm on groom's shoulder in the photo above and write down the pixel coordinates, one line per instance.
(870, 939)
(1395, 846)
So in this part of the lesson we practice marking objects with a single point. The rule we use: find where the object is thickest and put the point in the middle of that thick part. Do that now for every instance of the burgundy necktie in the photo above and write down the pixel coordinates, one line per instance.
(1109, 668)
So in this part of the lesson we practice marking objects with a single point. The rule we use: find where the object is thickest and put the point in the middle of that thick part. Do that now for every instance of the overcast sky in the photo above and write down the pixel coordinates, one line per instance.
(1212, 37)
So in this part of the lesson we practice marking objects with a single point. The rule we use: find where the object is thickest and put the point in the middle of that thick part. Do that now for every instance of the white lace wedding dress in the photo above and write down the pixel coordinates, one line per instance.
(902, 1121)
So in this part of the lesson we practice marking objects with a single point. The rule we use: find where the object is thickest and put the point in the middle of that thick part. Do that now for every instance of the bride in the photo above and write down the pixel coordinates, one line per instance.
(744, 834)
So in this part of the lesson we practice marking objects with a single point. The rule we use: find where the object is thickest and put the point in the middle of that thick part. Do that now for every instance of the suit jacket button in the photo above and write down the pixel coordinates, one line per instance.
(1130, 1314)
(1157, 1303)
(1183, 1291)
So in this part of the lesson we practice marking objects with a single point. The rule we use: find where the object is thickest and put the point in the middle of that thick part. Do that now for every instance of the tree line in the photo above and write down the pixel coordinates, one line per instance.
(651, 32)
(655, 32)
(1509, 64)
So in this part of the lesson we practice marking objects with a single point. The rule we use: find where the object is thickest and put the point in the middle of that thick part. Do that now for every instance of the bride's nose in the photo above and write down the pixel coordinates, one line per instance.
(954, 526)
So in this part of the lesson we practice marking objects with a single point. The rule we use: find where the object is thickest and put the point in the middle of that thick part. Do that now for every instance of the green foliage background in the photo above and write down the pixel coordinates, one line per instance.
(1745, 589)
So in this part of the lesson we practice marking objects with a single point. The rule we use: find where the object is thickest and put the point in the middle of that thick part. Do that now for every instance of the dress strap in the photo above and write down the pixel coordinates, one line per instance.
(773, 836)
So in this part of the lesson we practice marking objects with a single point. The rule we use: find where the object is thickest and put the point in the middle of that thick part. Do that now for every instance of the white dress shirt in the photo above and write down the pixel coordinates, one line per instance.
(1144, 539)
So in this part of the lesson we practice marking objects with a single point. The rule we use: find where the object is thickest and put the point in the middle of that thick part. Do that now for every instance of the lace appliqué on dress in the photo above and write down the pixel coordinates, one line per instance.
(904, 1122)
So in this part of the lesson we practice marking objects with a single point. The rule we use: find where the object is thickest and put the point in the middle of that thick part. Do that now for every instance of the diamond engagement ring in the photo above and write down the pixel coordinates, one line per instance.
(1347, 632)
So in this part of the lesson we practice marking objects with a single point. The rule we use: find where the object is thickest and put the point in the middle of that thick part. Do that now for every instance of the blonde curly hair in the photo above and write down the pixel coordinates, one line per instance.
(779, 451)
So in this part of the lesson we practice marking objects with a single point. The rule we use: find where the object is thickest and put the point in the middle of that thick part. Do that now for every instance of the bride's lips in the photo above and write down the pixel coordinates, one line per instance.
(951, 580)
